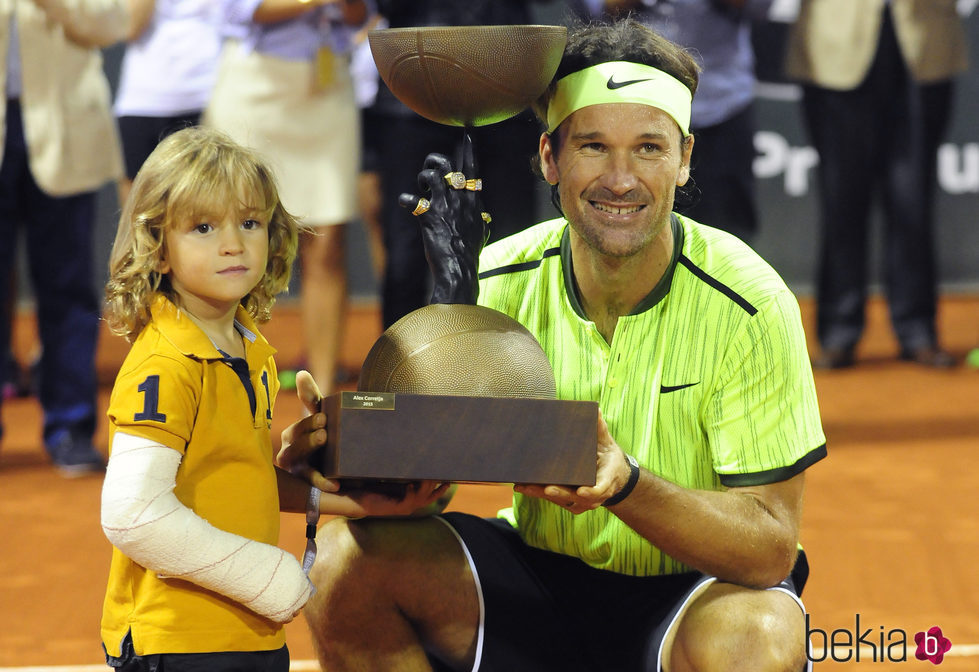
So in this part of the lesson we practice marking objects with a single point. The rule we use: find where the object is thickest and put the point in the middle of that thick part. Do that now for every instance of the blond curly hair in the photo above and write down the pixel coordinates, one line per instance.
(195, 172)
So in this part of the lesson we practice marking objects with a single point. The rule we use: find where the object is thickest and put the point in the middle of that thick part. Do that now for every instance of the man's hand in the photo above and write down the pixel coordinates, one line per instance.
(422, 498)
(612, 474)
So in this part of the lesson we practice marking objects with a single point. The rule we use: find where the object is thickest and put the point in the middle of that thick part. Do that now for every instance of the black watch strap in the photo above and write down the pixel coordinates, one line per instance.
(629, 485)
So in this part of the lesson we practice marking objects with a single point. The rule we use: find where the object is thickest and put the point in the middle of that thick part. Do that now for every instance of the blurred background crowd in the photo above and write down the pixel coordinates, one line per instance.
(835, 136)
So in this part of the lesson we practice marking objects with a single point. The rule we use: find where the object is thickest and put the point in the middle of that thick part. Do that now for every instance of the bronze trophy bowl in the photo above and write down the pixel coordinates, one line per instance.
(468, 75)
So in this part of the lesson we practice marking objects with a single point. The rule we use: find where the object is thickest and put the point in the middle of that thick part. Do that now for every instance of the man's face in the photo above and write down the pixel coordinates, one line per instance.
(616, 170)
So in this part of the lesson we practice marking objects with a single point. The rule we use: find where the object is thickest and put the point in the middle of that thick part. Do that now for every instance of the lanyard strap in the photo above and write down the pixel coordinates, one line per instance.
(312, 517)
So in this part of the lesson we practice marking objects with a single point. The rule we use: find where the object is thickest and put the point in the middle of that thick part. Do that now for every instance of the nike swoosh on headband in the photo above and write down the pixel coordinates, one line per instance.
(612, 84)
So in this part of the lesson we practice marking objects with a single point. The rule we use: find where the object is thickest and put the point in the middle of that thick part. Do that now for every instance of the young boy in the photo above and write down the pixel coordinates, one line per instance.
(191, 498)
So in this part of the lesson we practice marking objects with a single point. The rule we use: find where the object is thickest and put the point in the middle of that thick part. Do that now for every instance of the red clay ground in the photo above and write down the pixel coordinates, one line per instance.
(891, 523)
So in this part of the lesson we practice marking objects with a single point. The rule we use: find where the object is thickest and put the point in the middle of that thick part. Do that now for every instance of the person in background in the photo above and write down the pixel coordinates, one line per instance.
(718, 35)
(284, 88)
(167, 73)
(366, 81)
(16, 380)
(60, 146)
(878, 78)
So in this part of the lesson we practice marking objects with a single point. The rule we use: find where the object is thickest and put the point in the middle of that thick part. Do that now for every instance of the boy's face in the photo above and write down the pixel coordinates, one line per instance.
(214, 262)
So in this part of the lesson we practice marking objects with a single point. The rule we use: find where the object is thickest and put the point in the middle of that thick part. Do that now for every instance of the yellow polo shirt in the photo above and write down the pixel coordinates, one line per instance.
(177, 389)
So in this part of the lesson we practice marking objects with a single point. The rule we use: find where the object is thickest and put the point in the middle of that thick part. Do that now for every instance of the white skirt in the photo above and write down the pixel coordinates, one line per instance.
(309, 134)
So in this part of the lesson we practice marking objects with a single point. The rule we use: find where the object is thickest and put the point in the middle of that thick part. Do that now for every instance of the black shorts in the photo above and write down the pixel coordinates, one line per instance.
(547, 611)
(141, 135)
(276, 660)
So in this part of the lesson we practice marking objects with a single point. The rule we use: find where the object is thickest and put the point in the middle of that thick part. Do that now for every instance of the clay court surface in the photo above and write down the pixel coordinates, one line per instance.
(891, 523)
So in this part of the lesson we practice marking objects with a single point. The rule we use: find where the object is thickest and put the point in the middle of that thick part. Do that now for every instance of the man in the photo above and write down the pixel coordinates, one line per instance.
(878, 79)
(60, 145)
(682, 553)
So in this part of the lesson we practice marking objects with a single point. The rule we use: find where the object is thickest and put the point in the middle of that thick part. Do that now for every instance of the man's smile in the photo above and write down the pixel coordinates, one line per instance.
(617, 209)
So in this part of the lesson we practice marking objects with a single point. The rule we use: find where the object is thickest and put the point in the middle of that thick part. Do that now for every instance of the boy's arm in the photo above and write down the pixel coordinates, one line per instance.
(143, 518)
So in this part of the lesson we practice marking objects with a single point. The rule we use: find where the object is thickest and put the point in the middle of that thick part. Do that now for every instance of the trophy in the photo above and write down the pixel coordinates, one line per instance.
(455, 391)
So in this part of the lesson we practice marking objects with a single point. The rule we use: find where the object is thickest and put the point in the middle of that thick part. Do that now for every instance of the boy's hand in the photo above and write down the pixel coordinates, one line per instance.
(305, 436)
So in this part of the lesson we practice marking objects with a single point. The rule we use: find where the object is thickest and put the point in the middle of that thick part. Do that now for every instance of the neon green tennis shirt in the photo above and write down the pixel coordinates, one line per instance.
(707, 383)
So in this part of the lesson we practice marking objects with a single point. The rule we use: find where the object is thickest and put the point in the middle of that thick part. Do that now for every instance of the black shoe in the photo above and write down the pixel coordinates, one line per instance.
(834, 358)
(931, 356)
(73, 456)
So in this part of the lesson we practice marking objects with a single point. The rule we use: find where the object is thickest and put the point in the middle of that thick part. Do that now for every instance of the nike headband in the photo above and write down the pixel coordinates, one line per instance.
(620, 82)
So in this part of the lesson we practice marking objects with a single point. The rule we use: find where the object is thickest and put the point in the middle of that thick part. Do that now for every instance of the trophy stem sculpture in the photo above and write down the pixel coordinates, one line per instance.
(454, 233)
(454, 391)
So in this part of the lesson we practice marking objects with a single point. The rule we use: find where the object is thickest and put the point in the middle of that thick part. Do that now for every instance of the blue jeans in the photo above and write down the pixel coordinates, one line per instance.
(58, 234)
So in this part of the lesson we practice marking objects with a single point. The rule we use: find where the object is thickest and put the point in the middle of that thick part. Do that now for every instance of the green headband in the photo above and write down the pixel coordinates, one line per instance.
(620, 82)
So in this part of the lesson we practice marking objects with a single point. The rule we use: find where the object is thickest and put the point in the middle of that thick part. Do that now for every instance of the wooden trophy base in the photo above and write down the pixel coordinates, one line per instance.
(406, 437)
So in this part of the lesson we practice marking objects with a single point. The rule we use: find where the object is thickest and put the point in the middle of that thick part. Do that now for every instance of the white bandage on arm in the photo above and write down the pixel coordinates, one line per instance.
(143, 518)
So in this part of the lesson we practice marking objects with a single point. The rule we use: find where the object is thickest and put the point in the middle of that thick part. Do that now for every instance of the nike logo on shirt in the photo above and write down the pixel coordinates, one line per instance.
(673, 388)
(612, 84)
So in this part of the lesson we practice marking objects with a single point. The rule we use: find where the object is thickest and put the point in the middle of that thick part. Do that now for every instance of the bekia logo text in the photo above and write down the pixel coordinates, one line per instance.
(874, 644)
